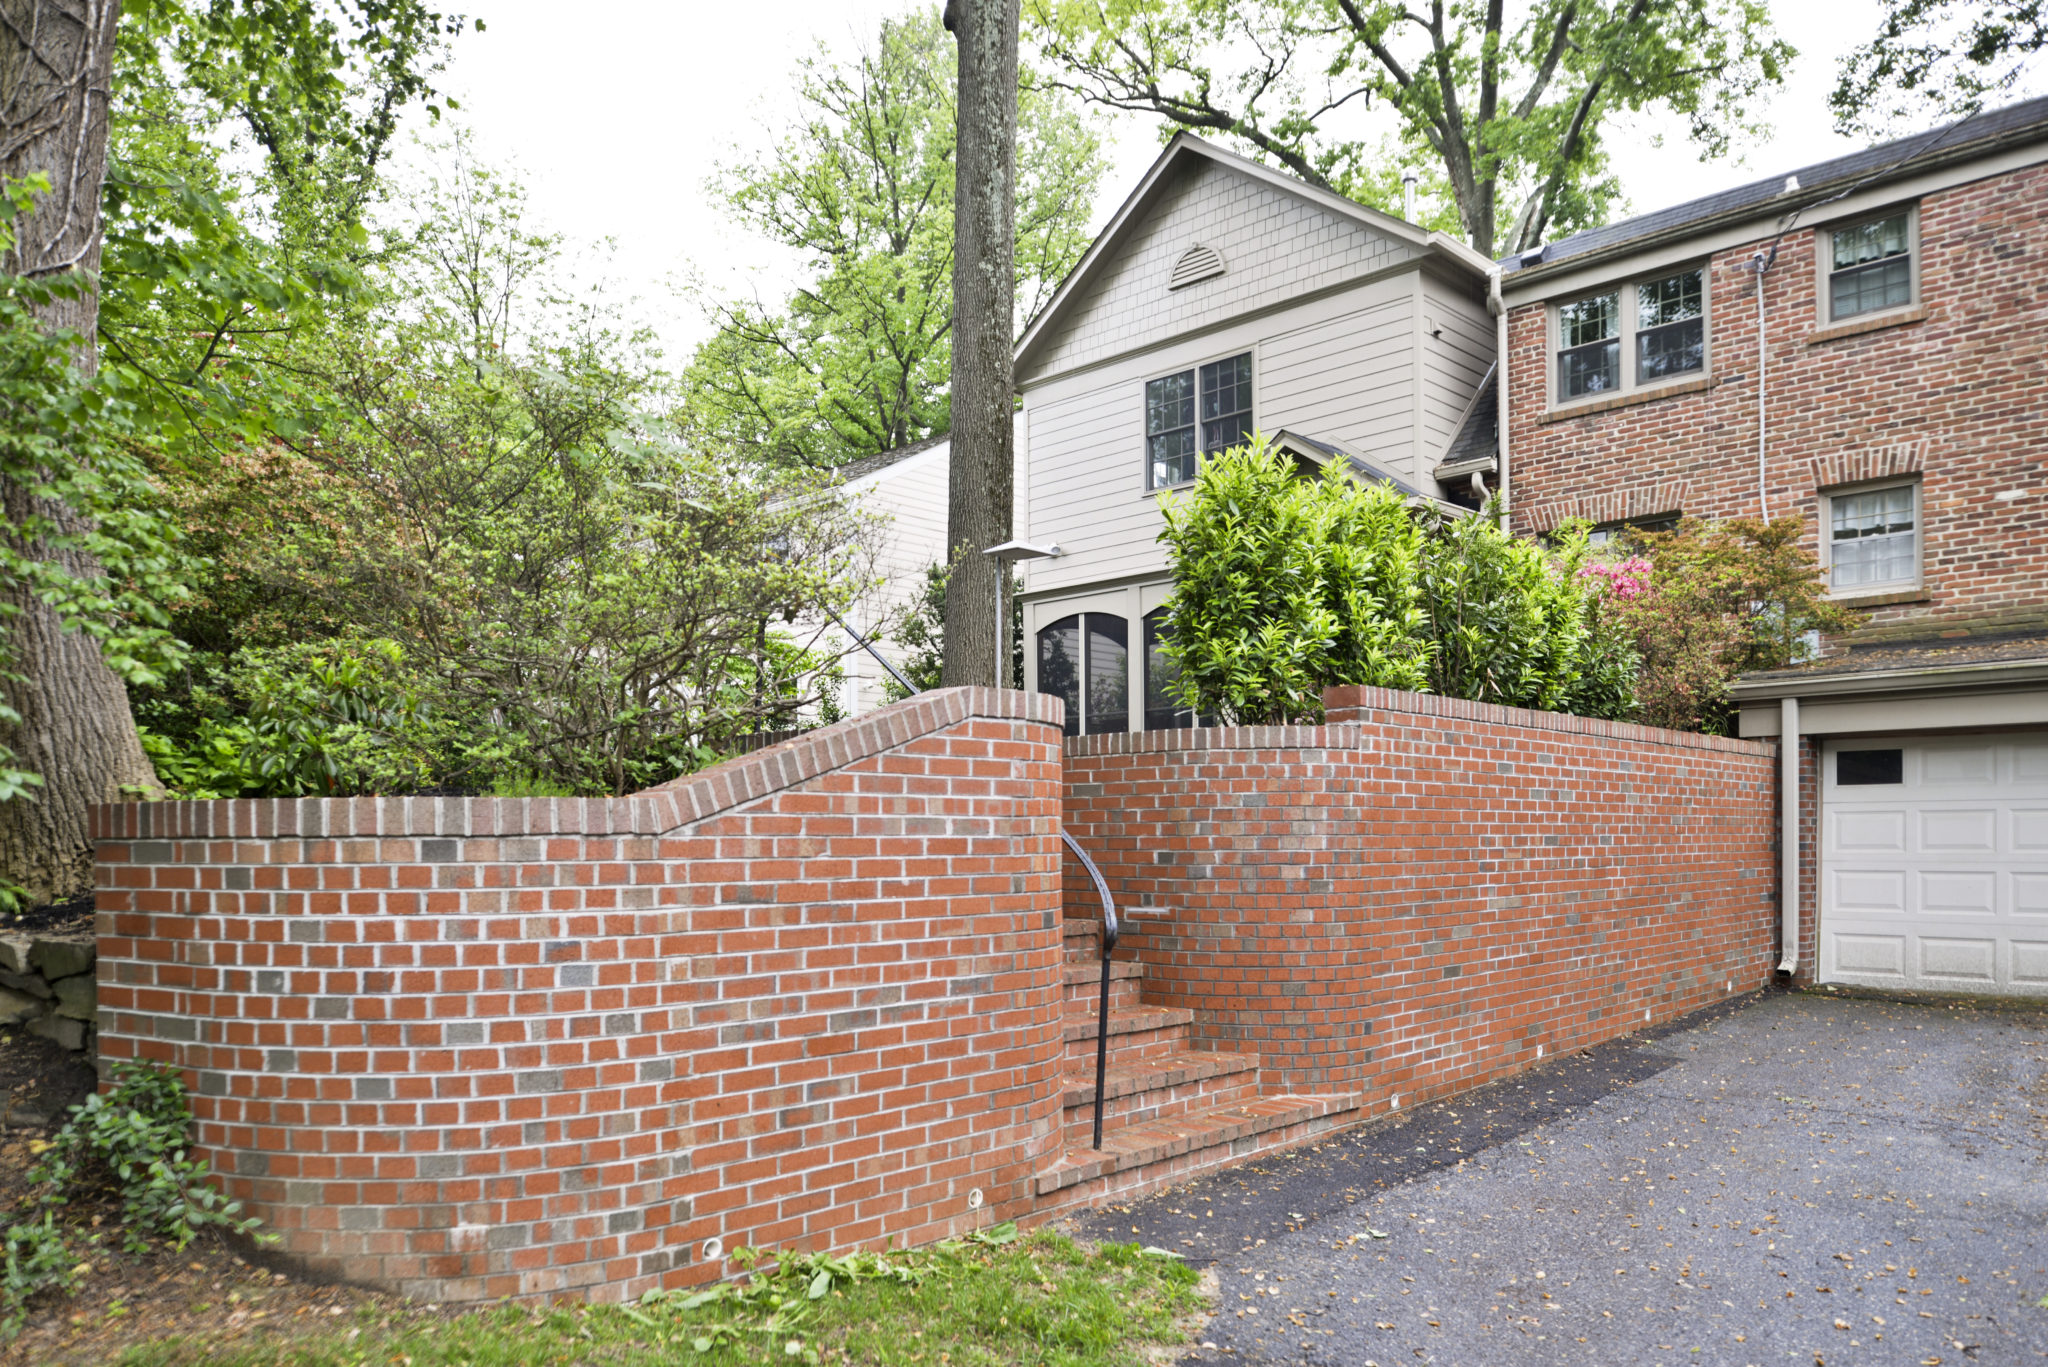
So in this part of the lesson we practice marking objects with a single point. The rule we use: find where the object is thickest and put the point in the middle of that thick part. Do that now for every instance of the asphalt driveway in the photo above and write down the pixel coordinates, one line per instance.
(1797, 1178)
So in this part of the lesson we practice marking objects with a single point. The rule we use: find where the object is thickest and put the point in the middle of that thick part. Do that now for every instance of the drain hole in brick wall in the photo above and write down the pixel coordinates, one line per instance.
(714, 1249)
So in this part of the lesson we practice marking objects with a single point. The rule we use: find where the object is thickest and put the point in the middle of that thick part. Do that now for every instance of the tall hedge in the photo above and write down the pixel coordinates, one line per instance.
(1287, 583)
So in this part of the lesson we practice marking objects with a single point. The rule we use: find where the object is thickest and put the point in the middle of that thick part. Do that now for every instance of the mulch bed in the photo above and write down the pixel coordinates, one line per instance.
(213, 1292)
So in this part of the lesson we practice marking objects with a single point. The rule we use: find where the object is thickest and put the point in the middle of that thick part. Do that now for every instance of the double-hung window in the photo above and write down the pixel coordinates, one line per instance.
(1871, 267)
(1205, 409)
(1633, 336)
(1874, 540)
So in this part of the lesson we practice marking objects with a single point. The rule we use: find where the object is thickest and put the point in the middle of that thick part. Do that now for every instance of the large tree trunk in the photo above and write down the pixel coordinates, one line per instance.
(56, 57)
(984, 300)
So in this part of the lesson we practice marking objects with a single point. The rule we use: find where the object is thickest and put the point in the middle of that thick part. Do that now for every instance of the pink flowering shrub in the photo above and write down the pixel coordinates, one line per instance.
(1626, 580)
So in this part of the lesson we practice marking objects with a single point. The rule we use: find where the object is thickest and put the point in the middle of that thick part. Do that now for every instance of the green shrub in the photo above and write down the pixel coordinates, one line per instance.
(131, 1141)
(1286, 584)
(1719, 600)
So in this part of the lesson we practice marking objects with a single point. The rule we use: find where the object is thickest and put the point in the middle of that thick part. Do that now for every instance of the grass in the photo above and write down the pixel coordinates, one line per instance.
(995, 1301)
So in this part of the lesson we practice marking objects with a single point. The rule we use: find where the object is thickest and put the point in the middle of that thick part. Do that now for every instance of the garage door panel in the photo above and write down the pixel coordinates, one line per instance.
(1871, 956)
(2030, 963)
(1940, 879)
(1881, 893)
(1876, 832)
(1957, 764)
(1959, 961)
(1952, 832)
(1947, 892)
(2030, 894)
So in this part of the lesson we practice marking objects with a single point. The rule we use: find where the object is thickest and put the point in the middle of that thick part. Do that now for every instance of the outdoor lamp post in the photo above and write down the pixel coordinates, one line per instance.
(1006, 555)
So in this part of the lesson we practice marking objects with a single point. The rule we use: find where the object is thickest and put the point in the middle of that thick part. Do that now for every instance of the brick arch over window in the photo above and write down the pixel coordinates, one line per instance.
(1612, 505)
(1869, 463)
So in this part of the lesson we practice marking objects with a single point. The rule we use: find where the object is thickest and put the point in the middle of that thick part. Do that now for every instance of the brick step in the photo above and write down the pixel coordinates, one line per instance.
(1081, 934)
(1084, 982)
(1135, 1032)
(1140, 1158)
(1147, 1090)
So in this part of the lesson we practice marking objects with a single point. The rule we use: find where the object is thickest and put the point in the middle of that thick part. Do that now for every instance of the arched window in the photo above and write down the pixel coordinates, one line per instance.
(1091, 648)
(1163, 711)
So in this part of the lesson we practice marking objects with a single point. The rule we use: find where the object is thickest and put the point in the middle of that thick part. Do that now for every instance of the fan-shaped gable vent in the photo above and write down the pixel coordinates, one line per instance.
(1196, 263)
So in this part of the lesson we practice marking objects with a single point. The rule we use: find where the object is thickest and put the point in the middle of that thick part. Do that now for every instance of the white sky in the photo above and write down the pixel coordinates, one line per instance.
(615, 119)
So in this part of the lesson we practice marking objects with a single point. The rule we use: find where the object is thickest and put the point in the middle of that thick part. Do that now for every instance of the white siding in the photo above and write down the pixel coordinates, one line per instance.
(1276, 246)
(1454, 361)
(1341, 367)
(912, 496)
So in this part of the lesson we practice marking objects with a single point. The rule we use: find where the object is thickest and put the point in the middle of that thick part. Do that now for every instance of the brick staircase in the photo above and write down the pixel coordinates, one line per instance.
(1173, 1110)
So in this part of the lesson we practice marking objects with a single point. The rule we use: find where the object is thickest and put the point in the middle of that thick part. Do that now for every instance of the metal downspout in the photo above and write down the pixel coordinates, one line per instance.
(1499, 308)
(1788, 830)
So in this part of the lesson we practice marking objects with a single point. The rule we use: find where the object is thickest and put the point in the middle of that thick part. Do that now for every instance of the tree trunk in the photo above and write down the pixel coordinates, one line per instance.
(56, 57)
(982, 468)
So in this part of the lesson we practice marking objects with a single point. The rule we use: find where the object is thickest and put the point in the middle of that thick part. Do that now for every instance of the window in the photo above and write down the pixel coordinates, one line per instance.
(1671, 331)
(1163, 710)
(1869, 768)
(1608, 534)
(1871, 268)
(1873, 539)
(1589, 338)
(1208, 408)
(1091, 649)
(1659, 326)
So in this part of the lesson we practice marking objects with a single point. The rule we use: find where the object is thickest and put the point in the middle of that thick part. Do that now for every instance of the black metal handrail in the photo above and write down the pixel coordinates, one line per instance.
(1109, 924)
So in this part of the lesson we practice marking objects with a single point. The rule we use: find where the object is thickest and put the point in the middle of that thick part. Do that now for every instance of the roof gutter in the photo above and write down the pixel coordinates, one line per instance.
(1939, 678)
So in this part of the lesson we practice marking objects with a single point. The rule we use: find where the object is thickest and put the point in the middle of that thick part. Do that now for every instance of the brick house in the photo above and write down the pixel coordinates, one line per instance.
(1860, 343)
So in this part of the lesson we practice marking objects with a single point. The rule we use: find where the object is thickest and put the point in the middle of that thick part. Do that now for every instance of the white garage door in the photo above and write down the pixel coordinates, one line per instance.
(1934, 864)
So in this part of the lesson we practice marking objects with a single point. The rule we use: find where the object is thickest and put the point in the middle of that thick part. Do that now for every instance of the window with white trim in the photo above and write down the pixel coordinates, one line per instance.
(1632, 337)
(1874, 540)
(1208, 408)
(1870, 267)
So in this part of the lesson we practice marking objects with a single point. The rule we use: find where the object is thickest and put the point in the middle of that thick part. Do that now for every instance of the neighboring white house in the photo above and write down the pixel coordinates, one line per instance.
(1223, 299)
(907, 487)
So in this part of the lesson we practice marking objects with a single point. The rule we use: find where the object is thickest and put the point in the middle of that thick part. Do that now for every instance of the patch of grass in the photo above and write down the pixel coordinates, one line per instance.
(997, 1301)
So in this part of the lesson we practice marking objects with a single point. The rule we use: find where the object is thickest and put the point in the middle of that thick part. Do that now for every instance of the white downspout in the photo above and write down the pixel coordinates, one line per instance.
(1788, 829)
(1761, 263)
(1499, 308)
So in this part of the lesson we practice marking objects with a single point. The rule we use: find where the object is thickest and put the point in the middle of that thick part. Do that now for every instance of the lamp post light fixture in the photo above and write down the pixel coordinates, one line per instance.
(1006, 555)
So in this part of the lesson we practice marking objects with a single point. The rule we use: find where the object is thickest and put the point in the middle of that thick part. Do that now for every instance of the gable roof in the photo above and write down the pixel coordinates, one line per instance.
(1324, 453)
(882, 460)
(1184, 148)
(1963, 140)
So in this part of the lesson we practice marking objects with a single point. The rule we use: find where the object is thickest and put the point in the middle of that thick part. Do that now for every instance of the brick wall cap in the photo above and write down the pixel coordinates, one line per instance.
(658, 810)
(1351, 707)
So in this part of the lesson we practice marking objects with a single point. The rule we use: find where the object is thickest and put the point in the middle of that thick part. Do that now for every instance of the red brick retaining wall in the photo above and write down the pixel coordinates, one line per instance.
(1425, 893)
(480, 1047)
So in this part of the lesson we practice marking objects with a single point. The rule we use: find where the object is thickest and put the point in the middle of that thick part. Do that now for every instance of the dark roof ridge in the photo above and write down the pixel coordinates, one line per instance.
(2025, 121)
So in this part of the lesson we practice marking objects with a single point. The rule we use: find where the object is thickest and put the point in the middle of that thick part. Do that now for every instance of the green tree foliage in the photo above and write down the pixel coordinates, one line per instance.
(1719, 600)
(1287, 584)
(858, 359)
(1937, 58)
(920, 632)
(521, 575)
(1503, 110)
